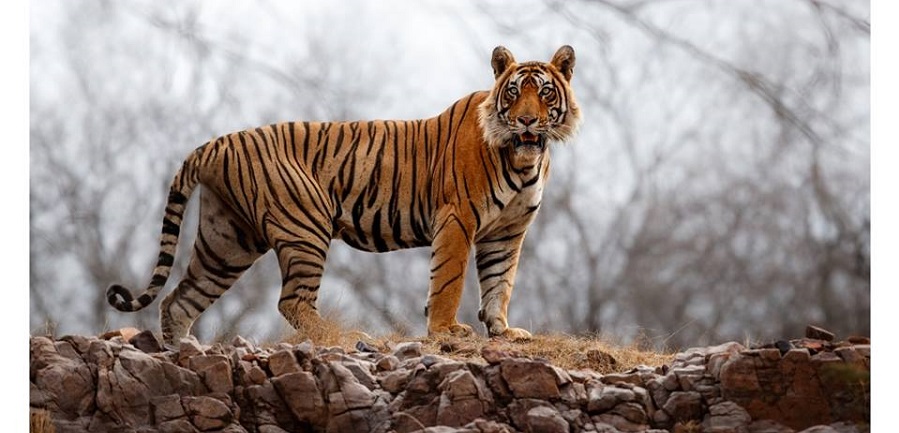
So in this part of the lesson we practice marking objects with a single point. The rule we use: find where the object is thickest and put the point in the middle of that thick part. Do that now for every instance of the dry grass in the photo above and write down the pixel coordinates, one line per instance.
(566, 351)
(41, 422)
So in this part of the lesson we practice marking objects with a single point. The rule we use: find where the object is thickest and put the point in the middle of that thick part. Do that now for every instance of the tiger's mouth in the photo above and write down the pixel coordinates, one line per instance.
(529, 141)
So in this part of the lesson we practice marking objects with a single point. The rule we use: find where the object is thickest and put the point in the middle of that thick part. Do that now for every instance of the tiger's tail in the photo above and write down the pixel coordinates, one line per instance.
(179, 193)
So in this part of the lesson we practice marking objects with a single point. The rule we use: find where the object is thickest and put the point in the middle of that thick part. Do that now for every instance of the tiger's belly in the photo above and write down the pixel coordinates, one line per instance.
(377, 230)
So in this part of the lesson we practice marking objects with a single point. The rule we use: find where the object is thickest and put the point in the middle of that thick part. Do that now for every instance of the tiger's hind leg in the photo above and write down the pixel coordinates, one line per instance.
(225, 247)
(298, 225)
(302, 264)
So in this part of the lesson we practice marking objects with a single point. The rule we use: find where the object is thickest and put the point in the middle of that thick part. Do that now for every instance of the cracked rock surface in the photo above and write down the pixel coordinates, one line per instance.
(94, 384)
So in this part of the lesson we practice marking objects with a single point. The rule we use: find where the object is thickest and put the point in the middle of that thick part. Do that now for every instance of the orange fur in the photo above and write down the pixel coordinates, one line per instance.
(471, 177)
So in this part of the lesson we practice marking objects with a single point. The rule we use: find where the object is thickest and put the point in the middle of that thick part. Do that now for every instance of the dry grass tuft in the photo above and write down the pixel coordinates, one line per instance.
(41, 422)
(565, 351)
(691, 426)
(329, 331)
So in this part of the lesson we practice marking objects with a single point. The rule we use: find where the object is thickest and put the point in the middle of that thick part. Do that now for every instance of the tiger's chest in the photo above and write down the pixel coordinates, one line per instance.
(521, 200)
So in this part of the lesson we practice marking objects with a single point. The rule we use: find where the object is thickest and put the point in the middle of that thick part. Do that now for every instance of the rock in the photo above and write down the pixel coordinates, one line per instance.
(688, 375)
(264, 405)
(239, 341)
(518, 410)
(146, 342)
(125, 333)
(769, 426)
(91, 384)
(617, 423)
(207, 413)
(302, 395)
(604, 398)
(394, 382)
(215, 370)
(544, 419)
(361, 370)
(817, 333)
(494, 354)
(304, 353)
(631, 411)
(177, 426)
(404, 351)
(344, 391)
(530, 379)
(365, 347)
(283, 362)
(167, 408)
(857, 339)
(615, 378)
(250, 374)
(66, 385)
(387, 363)
(188, 348)
(455, 413)
(727, 417)
(684, 406)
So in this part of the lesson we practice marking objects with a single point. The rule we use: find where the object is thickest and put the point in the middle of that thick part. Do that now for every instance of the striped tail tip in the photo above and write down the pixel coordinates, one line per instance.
(121, 299)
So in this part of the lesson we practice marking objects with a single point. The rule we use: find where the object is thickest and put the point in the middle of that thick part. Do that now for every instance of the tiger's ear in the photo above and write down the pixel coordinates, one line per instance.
(502, 59)
(563, 60)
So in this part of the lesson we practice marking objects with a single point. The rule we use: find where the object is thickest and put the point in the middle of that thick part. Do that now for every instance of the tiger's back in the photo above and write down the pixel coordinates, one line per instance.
(377, 185)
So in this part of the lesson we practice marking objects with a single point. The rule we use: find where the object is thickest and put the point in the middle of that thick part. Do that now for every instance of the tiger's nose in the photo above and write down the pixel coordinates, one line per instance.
(526, 120)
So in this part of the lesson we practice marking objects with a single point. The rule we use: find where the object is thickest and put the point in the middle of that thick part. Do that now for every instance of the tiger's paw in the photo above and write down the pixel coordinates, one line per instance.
(513, 334)
(455, 329)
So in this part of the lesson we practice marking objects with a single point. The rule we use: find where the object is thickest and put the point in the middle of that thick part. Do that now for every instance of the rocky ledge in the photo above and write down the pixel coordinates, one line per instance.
(119, 384)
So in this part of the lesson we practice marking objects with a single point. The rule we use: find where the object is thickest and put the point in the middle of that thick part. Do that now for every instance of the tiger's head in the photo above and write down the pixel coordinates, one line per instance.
(531, 103)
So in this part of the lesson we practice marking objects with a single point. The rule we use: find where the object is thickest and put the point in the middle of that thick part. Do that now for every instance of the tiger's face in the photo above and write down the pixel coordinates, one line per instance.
(531, 104)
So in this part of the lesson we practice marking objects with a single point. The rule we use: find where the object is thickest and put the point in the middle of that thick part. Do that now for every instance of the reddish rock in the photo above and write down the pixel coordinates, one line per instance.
(545, 419)
(166, 408)
(188, 348)
(303, 397)
(404, 351)
(818, 333)
(67, 384)
(530, 379)
(684, 406)
(146, 342)
(856, 339)
(215, 370)
(207, 413)
(727, 417)
(125, 333)
(810, 386)
(283, 362)
(604, 398)
(387, 363)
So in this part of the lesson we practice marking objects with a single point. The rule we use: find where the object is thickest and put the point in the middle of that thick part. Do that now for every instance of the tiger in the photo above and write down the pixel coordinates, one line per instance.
(471, 177)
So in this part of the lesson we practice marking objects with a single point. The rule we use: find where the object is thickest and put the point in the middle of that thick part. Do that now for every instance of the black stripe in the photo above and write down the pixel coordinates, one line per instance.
(158, 280)
(165, 259)
(483, 265)
(145, 299)
(176, 197)
(496, 274)
(376, 237)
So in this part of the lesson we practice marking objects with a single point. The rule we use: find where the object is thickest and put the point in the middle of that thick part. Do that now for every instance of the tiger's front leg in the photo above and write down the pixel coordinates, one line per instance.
(449, 258)
(497, 260)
